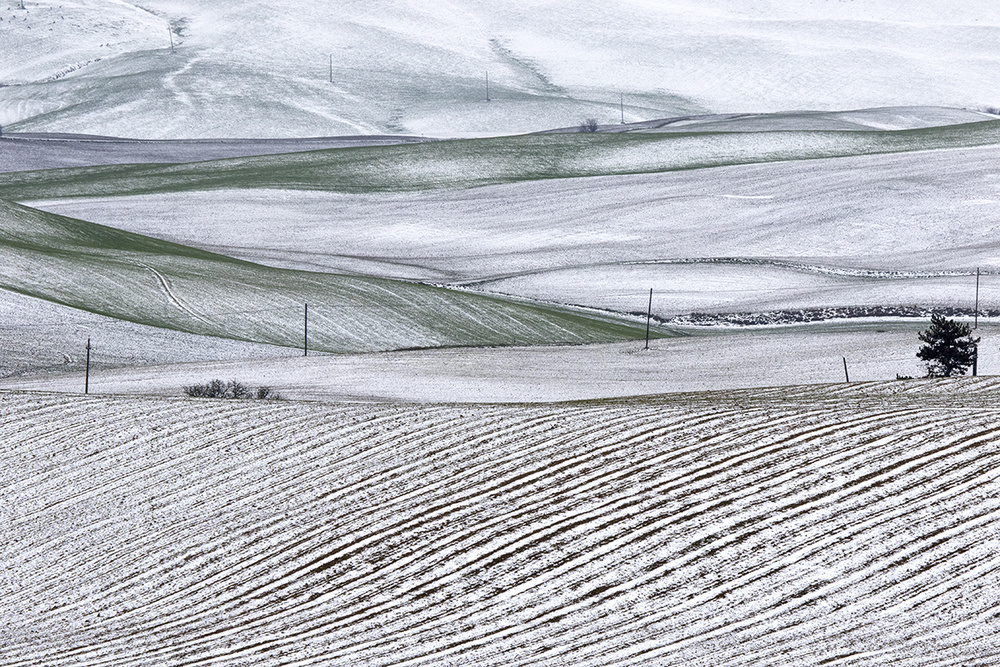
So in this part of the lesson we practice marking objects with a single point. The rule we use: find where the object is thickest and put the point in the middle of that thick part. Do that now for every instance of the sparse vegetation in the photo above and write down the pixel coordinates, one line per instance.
(589, 125)
(233, 389)
(950, 348)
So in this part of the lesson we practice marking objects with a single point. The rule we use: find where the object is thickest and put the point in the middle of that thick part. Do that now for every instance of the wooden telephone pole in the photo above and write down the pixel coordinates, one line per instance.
(86, 377)
(976, 326)
(975, 346)
(649, 315)
(305, 333)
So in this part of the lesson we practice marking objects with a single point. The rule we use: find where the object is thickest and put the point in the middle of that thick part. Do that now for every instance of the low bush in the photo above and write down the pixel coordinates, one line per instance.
(231, 389)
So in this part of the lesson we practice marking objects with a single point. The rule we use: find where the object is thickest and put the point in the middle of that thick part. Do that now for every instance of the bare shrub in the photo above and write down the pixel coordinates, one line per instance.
(267, 393)
(589, 125)
(234, 389)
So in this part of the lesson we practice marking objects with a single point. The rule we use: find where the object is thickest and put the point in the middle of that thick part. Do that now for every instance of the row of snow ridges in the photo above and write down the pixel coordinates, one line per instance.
(637, 532)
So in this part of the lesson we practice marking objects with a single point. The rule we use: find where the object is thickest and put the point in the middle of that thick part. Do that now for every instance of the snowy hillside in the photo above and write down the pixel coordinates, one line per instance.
(904, 229)
(148, 281)
(254, 68)
(822, 526)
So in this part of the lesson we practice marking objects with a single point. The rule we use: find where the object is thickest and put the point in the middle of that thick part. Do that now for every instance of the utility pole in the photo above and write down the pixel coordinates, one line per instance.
(487, 85)
(977, 299)
(171, 33)
(649, 314)
(847, 378)
(975, 359)
(86, 377)
(331, 68)
(305, 333)
(621, 103)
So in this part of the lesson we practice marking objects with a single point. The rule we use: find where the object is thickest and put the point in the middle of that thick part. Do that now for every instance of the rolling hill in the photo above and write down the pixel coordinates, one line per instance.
(744, 221)
(243, 68)
(145, 280)
(492, 161)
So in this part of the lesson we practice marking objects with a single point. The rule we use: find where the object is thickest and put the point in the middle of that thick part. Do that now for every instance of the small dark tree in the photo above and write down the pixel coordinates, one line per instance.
(589, 125)
(950, 347)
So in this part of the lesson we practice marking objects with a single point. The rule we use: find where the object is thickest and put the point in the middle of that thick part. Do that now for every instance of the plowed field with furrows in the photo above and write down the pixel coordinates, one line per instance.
(811, 527)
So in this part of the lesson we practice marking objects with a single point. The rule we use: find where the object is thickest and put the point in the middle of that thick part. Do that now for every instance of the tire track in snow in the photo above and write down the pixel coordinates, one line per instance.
(173, 298)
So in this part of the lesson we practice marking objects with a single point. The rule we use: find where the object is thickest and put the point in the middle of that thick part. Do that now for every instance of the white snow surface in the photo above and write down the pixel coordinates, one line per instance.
(255, 68)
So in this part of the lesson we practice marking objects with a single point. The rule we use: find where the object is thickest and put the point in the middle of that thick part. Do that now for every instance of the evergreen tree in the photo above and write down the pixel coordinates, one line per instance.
(950, 347)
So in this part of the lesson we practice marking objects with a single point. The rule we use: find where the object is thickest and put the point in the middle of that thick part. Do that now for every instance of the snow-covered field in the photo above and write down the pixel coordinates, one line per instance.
(148, 281)
(849, 526)
(40, 338)
(253, 68)
(825, 235)
(900, 229)
(700, 361)
(24, 152)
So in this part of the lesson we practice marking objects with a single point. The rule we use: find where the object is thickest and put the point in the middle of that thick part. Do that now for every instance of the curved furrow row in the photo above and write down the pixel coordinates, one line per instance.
(162, 472)
(409, 614)
(132, 545)
(815, 546)
(865, 580)
(129, 440)
(44, 441)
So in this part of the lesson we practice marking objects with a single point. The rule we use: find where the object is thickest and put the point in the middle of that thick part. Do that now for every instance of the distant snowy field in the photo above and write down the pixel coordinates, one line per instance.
(905, 229)
(252, 68)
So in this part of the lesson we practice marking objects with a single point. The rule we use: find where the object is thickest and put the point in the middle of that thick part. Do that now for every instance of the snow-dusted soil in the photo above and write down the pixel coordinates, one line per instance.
(24, 152)
(850, 526)
(256, 68)
(856, 120)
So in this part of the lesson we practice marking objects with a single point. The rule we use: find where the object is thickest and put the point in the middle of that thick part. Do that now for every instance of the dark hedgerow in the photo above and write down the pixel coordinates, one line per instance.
(231, 389)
